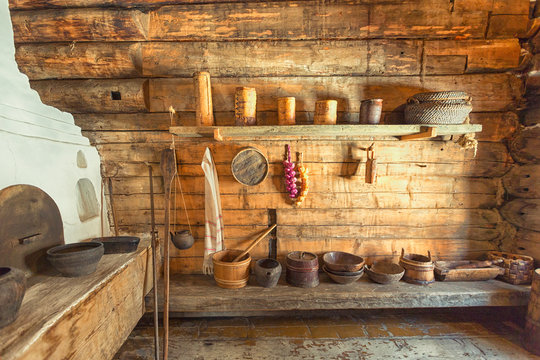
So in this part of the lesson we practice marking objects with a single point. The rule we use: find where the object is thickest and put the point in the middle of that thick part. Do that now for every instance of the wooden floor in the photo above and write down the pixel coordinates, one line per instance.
(198, 295)
(473, 333)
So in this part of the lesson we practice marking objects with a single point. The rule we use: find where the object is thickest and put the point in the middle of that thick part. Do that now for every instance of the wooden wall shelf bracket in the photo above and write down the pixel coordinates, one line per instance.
(300, 132)
(425, 133)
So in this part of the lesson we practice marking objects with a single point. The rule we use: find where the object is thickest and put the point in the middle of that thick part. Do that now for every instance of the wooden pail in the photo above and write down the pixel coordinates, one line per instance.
(228, 274)
(531, 334)
(302, 269)
(418, 268)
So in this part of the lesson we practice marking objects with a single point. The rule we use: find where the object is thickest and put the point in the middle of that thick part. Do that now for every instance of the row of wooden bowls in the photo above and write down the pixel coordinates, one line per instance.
(346, 268)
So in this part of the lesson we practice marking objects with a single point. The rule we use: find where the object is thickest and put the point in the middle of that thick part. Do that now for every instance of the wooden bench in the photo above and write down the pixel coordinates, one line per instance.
(87, 317)
(198, 295)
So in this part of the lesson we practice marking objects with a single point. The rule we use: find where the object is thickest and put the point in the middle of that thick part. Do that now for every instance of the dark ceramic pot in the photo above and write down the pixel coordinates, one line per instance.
(118, 244)
(12, 288)
(182, 239)
(75, 260)
(267, 272)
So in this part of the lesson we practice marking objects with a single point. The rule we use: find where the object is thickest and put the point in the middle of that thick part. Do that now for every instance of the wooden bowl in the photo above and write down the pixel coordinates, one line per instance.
(385, 272)
(75, 260)
(348, 279)
(343, 261)
(345, 273)
(118, 244)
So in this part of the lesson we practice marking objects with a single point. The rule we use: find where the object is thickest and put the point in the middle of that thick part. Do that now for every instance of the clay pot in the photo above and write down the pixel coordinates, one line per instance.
(118, 244)
(267, 272)
(12, 288)
(182, 239)
(370, 111)
(75, 260)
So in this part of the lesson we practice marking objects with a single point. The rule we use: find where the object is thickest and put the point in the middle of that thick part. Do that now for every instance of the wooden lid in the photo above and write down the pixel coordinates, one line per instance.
(250, 167)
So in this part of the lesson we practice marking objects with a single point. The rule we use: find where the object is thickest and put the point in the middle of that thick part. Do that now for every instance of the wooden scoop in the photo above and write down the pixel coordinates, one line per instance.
(254, 243)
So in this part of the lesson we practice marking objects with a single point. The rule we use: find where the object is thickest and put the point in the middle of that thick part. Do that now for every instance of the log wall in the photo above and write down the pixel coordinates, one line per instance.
(431, 195)
(522, 183)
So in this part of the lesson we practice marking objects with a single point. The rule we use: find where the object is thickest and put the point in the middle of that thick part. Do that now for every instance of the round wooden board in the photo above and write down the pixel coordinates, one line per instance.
(250, 167)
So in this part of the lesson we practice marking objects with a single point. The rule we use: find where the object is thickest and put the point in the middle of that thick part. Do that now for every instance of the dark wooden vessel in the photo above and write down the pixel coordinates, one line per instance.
(302, 269)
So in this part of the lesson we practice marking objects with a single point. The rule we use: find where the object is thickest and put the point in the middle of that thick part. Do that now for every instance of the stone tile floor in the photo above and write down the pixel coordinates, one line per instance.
(472, 333)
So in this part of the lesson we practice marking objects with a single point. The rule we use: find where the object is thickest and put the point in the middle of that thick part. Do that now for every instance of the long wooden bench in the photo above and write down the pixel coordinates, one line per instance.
(198, 295)
(87, 317)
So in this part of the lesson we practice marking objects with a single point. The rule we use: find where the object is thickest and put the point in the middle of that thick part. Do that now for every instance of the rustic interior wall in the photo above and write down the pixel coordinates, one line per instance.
(120, 66)
(39, 144)
(522, 206)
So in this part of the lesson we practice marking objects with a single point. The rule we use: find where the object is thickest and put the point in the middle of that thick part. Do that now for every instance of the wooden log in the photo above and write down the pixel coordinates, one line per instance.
(316, 151)
(531, 333)
(527, 242)
(416, 217)
(523, 213)
(323, 184)
(485, 168)
(524, 147)
(80, 60)
(80, 25)
(231, 217)
(523, 181)
(82, 96)
(323, 200)
(478, 55)
(505, 26)
(493, 92)
(496, 126)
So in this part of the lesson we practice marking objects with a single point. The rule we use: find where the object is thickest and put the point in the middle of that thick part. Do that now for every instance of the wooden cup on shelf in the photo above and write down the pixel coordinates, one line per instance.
(286, 111)
(245, 106)
(204, 115)
(325, 112)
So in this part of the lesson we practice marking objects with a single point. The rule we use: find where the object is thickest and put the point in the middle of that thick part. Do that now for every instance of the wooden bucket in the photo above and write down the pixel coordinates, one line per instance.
(302, 269)
(231, 275)
(531, 334)
(286, 111)
(325, 112)
(418, 268)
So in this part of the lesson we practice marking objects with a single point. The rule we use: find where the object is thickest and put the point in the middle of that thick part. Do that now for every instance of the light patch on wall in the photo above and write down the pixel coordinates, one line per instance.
(87, 203)
(81, 160)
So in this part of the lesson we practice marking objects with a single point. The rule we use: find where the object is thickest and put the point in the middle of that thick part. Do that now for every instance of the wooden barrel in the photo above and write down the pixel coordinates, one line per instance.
(245, 106)
(231, 275)
(286, 111)
(204, 115)
(302, 269)
(418, 268)
(531, 334)
(325, 112)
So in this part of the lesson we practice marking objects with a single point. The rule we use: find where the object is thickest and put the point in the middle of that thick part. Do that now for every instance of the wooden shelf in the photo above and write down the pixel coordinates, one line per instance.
(198, 295)
(299, 132)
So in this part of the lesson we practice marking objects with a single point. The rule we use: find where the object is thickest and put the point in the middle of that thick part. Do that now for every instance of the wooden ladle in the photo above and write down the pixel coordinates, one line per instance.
(168, 171)
(255, 242)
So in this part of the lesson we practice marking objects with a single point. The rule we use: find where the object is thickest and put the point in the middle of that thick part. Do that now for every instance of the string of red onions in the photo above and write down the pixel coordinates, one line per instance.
(290, 174)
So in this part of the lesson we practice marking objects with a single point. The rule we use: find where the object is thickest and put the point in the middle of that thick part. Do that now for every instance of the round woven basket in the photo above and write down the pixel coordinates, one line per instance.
(441, 96)
(449, 112)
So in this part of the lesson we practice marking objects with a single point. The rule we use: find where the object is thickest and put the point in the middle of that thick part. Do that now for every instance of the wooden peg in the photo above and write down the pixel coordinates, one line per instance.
(371, 166)
(425, 132)
(217, 135)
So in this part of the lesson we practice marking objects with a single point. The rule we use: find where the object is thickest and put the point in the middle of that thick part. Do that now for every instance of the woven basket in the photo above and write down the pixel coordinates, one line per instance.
(442, 96)
(518, 269)
(449, 112)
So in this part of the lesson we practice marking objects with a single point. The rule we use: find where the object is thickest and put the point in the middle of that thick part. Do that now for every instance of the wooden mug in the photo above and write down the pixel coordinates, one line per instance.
(325, 112)
(286, 111)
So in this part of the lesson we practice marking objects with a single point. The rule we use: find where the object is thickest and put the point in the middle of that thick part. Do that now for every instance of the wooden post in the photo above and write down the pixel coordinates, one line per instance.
(531, 333)
(286, 111)
(325, 112)
(204, 115)
(245, 106)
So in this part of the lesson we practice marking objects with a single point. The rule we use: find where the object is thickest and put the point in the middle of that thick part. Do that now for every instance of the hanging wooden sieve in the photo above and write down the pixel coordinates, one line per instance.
(250, 166)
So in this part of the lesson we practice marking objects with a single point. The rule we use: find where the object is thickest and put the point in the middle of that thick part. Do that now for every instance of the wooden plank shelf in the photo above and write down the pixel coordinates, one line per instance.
(198, 295)
(296, 132)
(83, 317)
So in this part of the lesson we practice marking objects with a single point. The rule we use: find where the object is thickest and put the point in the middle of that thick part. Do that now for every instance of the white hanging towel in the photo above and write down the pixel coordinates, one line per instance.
(213, 224)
